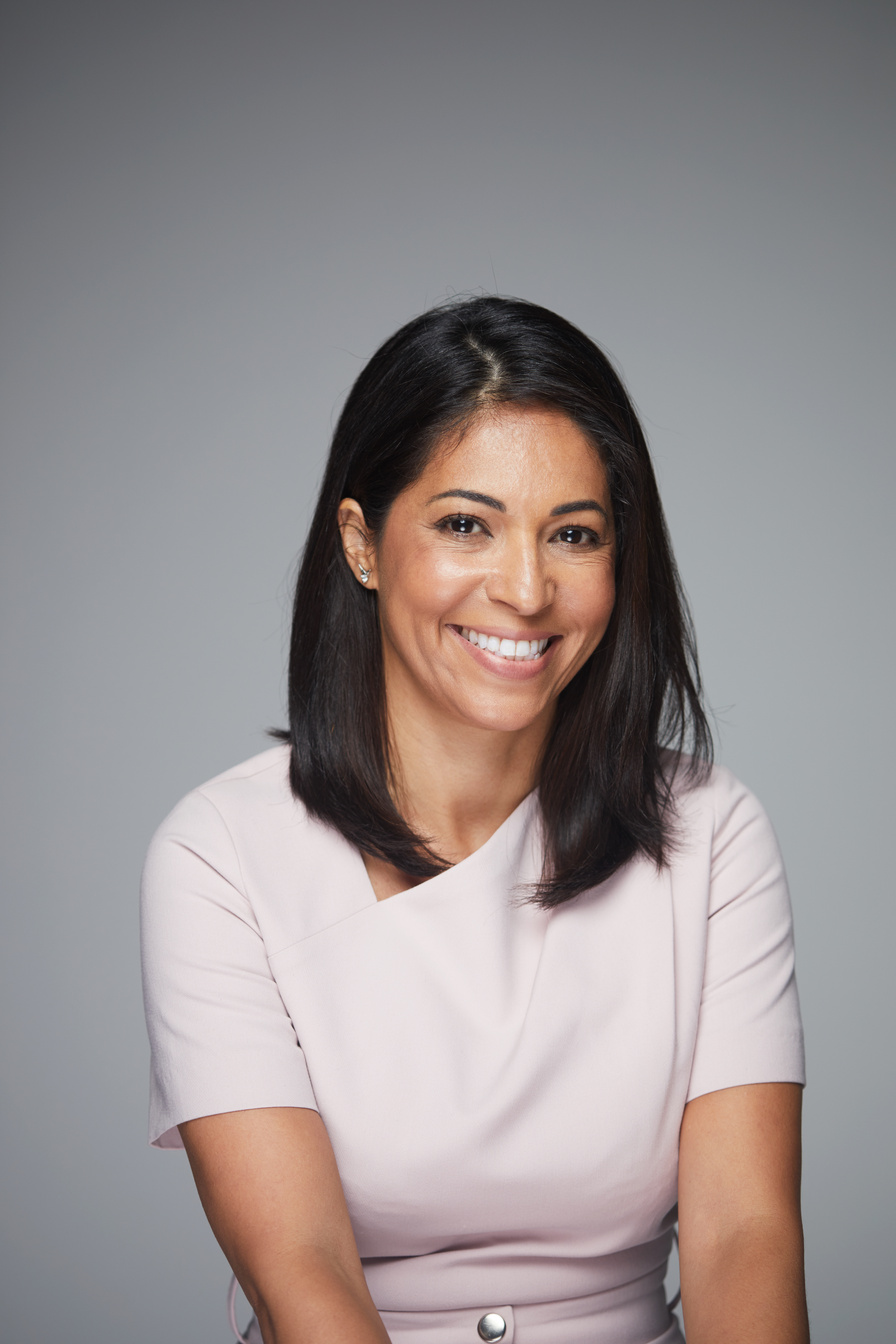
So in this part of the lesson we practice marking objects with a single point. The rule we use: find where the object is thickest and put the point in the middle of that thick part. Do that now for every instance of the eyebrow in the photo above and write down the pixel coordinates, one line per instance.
(474, 495)
(579, 506)
(574, 506)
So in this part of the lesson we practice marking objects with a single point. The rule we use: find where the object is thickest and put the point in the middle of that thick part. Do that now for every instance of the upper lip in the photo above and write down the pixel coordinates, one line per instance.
(515, 635)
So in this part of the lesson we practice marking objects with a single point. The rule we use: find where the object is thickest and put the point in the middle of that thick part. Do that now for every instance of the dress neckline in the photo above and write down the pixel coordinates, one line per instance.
(514, 821)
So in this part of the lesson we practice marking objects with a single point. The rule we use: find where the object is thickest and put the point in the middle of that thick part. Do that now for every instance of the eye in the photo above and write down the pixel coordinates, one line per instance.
(580, 537)
(460, 525)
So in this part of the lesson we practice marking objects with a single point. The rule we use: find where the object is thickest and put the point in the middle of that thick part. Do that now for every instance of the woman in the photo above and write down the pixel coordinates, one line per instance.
(463, 993)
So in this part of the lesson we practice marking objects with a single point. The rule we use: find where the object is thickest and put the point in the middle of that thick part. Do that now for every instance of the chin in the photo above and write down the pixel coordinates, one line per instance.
(500, 718)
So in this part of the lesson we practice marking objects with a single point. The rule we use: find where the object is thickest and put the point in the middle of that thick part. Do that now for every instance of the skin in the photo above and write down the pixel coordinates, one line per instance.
(532, 556)
(739, 1227)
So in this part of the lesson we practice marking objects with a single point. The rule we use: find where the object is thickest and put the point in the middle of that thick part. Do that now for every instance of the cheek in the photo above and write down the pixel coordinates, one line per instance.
(424, 587)
(593, 605)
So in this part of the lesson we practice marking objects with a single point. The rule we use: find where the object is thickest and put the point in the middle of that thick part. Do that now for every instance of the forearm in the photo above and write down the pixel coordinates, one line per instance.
(271, 1191)
(746, 1287)
(313, 1301)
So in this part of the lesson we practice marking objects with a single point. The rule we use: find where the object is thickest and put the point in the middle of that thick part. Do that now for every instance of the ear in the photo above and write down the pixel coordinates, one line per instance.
(357, 542)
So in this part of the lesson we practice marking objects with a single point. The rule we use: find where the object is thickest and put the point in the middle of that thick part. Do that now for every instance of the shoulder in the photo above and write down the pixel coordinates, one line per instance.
(223, 821)
(234, 801)
(708, 796)
(244, 841)
(255, 784)
(723, 840)
(717, 816)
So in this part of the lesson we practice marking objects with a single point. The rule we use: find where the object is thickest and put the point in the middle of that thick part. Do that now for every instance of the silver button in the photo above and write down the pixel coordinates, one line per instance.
(492, 1327)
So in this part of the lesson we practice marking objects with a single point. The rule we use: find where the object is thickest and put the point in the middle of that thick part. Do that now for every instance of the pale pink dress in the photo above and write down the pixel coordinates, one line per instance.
(503, 1086)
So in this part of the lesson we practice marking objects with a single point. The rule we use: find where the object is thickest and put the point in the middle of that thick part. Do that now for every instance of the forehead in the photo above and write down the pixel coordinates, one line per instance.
(514, 450)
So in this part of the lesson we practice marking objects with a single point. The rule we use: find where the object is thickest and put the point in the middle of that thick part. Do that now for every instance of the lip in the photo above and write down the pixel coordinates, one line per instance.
(508, 668)
(504, 632)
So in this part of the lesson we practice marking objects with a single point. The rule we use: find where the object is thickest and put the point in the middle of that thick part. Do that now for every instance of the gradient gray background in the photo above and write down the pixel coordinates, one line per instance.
(213, 213)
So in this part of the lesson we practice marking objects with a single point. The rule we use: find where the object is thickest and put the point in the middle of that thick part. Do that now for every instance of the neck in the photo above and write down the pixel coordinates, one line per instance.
(455, 784)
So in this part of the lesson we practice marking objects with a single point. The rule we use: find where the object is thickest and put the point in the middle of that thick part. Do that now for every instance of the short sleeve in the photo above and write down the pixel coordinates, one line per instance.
(220, 1036)
(749, 1028)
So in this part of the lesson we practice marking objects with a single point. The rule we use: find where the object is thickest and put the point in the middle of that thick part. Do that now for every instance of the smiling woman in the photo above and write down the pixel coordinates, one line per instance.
(504, 405)
(468, 989)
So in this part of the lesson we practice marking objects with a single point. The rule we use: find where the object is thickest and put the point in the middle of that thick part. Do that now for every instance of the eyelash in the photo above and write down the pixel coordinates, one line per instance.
(445, 524)
(593, 540)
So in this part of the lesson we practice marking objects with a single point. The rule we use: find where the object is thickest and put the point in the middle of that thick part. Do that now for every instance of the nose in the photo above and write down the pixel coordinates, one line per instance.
(521, 578)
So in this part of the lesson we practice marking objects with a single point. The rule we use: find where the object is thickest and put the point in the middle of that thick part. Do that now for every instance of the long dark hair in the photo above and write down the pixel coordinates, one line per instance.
(622, 723)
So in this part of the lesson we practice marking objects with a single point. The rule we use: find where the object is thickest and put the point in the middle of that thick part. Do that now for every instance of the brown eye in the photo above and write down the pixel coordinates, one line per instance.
(580, 538)
(460, 525)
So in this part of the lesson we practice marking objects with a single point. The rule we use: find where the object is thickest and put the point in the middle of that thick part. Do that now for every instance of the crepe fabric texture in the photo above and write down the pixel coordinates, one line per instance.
(503, 1086)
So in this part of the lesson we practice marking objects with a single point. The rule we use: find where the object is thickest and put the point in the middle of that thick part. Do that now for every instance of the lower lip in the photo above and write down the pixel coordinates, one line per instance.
(511, 669)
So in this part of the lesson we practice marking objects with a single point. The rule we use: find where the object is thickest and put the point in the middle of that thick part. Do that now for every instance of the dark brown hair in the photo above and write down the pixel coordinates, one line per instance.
(627, 716)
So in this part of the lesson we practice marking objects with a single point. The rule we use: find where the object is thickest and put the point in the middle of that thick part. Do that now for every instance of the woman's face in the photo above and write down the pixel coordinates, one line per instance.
(494, 572)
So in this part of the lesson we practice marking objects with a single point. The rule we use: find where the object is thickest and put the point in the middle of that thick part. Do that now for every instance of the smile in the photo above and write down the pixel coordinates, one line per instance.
(514, 650)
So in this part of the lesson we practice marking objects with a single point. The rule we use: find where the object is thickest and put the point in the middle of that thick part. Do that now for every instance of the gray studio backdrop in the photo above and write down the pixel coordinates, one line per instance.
(213, 212)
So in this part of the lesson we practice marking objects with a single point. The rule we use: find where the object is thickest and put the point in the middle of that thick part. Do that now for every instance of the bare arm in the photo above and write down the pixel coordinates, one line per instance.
(269, 1185)
(741, 1238)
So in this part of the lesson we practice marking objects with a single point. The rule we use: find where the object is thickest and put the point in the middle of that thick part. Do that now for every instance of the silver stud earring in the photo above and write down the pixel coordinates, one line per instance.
(365, 573)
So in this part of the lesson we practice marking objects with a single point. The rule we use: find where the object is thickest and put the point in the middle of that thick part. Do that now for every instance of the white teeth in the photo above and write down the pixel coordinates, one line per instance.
(517, 649)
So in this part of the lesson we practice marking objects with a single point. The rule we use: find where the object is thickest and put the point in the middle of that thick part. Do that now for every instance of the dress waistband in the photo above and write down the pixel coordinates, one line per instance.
(599, 1318)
